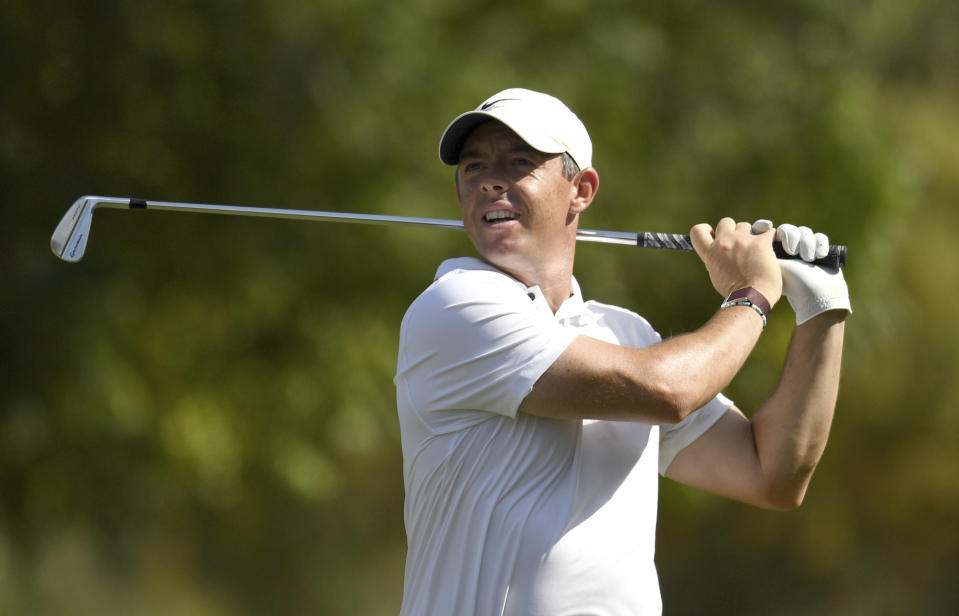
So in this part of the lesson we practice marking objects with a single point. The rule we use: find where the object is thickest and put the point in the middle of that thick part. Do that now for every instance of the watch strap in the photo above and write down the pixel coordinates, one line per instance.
(749, 293)
(748, 296)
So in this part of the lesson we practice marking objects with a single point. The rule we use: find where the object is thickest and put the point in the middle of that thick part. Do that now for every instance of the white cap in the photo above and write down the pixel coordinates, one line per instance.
(541, 120)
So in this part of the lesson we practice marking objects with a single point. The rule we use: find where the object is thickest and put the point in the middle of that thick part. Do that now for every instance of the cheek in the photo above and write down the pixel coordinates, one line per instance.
(465, 190)
(560, 198)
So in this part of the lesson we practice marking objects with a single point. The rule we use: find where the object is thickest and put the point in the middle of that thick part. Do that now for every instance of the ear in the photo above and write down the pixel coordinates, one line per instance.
(585, 185)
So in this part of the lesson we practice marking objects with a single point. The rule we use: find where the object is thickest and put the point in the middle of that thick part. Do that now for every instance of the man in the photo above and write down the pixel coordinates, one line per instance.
(533, 423)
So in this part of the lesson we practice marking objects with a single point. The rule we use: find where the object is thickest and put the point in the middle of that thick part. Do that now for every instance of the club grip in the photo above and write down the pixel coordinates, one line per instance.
(835, 258)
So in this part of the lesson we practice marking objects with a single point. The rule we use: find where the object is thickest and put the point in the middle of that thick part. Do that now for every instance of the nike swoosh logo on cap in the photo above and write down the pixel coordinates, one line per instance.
(497, 101)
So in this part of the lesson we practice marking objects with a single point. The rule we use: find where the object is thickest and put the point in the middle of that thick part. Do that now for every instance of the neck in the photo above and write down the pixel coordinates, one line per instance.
(554, 277)
(557, 294)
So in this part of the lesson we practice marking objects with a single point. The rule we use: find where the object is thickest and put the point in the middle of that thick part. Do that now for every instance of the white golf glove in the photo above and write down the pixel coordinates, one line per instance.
(810, 289)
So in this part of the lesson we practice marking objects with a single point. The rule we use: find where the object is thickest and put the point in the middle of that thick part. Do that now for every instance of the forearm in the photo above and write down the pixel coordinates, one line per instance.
(698, 365)
(660, 384)
(792, 426)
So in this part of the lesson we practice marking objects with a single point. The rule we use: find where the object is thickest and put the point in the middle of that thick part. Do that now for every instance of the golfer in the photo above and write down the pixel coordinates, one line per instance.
(535, 423)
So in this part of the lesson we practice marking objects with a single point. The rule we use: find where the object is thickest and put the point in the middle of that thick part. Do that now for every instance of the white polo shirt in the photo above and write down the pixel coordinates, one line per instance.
(514, 514)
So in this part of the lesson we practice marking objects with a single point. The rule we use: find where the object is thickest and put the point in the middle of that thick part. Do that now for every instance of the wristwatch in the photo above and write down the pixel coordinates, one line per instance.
(748, 296)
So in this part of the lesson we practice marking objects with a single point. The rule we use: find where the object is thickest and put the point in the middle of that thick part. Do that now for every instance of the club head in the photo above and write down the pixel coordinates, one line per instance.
(69, 239)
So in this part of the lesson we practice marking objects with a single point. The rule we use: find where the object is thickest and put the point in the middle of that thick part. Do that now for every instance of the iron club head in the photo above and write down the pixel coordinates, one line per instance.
(69, 239)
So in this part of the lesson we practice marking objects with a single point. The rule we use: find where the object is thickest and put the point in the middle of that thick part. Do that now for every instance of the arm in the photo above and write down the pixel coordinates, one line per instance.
(660, 384)
(664, 383)
(770, 460)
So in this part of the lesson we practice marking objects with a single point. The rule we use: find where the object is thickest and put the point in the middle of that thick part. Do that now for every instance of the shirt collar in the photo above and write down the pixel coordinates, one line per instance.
(468, 264)
(572, 308)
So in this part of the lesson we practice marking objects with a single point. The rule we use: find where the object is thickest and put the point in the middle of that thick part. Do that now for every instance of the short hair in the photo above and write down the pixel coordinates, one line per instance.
(570, 168)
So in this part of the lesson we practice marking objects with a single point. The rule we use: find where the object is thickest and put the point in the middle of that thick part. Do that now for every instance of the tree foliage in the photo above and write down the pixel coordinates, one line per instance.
(199, 417)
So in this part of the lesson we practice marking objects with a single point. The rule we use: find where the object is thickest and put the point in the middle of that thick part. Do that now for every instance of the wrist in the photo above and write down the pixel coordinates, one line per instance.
(813, 290)
(751, 298)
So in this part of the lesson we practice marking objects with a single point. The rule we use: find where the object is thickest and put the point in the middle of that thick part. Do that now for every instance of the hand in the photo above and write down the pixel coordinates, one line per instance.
(810, 289)
(736, 258)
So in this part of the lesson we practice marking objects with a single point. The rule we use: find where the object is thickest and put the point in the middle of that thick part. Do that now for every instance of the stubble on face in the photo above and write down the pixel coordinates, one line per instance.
(515, 203)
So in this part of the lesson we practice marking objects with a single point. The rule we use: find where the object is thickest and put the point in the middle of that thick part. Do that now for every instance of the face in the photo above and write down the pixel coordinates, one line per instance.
(518, 208)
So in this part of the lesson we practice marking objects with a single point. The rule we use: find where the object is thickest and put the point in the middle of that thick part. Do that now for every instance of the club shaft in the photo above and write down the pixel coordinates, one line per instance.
(586, 235)
(269, 212)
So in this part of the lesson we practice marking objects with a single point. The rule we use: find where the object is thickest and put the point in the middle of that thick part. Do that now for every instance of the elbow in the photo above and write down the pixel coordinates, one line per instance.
(677, 394)
(784, 502)
(655, 386)
(785, 496)
(676, 402)
(667, 392)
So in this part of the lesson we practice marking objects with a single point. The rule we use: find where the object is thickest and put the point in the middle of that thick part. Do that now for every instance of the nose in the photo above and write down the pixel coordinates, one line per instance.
(494, 180)
(493, 186)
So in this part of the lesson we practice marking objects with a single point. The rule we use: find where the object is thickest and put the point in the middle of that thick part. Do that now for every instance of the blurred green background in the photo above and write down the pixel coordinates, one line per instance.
(199, 417)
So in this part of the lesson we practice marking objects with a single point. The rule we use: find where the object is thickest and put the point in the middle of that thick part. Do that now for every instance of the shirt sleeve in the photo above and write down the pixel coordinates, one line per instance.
(675, 438)
(474, 341)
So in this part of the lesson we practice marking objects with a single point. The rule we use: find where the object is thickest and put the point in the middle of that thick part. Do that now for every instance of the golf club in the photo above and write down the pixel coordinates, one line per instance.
(69, 240)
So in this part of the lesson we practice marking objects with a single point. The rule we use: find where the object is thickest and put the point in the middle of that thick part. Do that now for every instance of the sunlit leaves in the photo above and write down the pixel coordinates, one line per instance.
(201, 391)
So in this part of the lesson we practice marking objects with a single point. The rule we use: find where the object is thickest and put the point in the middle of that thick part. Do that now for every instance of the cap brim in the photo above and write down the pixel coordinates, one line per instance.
(456, 133)
(459, 130)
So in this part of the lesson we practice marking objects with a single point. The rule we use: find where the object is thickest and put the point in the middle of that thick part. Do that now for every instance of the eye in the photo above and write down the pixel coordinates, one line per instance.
(521, 166)
(471, 166)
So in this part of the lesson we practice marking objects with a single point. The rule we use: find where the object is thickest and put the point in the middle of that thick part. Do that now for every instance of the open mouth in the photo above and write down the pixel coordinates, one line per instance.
(499, 216)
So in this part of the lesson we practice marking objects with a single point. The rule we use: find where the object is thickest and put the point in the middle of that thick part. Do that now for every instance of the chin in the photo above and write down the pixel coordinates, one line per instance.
(506, 253)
